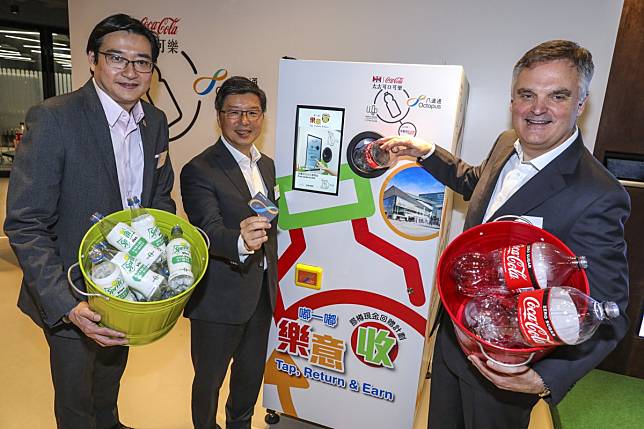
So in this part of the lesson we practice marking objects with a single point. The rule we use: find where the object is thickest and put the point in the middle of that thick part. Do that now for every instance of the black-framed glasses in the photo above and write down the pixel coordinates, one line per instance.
(236, 115)
(118, 62)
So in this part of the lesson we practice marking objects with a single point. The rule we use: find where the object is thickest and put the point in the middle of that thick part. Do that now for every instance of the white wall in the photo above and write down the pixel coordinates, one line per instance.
(486, 37)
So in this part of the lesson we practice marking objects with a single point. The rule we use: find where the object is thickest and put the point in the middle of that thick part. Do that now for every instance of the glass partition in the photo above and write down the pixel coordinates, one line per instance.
(62, 63)
(21, 82)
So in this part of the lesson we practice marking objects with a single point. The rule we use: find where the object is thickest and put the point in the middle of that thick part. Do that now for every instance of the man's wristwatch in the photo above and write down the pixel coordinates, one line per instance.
(546, 391)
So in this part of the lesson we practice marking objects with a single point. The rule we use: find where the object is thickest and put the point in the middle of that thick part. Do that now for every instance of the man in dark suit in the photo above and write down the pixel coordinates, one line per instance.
(539, 169)
(84, 152)
(230, 311)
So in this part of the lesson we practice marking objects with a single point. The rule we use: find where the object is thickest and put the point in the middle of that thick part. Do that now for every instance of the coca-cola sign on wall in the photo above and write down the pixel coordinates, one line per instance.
(167, 25)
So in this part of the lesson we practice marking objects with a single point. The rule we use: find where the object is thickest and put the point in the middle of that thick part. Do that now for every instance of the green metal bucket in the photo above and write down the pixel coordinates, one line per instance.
(142, 322)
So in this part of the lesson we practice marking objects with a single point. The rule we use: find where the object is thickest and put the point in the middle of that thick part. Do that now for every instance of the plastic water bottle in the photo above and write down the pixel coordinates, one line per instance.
(144, 282)
(179, 258)
(124, 238)
(545, 317)
(514, 269)
(108, 277)
(145, 225)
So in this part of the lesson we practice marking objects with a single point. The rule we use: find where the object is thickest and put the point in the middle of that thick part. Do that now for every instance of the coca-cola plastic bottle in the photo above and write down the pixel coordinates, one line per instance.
(369, 157)
(545, 317)
(514, 269)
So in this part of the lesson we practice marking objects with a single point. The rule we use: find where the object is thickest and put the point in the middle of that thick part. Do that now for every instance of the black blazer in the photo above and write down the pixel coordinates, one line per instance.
(583, 205)
(63, 172)
(215, 197)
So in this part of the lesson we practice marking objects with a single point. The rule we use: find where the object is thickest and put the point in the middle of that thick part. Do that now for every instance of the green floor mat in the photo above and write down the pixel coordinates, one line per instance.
(602, 400)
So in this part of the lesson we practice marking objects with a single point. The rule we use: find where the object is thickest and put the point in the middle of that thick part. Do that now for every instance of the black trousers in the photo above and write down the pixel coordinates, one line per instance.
(213, 345)
(86, 378)
(459, 403)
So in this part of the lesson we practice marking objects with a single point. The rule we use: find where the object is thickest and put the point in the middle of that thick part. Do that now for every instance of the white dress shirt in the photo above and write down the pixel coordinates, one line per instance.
(126, 143)
(516, 172)
(254, 181)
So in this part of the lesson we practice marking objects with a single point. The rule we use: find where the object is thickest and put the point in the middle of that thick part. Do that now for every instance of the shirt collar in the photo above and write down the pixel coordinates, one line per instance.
(542, 160)
(113, 110)
(255, 154)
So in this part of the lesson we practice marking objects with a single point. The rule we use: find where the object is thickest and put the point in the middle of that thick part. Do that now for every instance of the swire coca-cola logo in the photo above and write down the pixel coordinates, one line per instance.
(398, 80)
(532, 329)
(515, 265)
(167, 25)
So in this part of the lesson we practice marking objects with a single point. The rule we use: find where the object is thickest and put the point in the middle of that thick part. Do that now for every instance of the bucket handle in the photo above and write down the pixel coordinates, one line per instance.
(511, 365)
(204, 236)
(513, 217)
(80, 292)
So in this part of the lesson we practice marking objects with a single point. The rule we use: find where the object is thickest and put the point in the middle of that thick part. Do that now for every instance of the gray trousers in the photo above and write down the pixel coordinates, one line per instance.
(213, 346)
(86, 378)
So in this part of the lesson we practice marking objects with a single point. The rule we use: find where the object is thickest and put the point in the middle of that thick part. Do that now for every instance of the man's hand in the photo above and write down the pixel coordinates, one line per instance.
(86, 320)
(521, 379)
(405, 146)
(253, 232)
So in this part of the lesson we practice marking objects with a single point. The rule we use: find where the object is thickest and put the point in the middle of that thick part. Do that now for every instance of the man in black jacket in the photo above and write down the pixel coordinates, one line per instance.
(84, 152)
(539, 169)
(230, 311)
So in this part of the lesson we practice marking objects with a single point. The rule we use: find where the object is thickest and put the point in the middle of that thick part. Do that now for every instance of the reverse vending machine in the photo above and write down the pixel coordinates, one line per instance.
(358, 244)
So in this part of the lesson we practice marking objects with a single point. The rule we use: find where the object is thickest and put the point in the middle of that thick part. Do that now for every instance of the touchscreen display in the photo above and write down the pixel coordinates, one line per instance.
(318, 149)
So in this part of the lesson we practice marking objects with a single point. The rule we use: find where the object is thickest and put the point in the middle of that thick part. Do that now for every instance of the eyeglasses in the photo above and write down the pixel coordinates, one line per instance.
(236, 115)
(118, 62)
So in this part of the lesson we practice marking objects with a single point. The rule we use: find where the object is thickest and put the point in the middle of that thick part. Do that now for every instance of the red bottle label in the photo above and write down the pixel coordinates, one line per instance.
(368, 156)
(517, 268)
(534, 318)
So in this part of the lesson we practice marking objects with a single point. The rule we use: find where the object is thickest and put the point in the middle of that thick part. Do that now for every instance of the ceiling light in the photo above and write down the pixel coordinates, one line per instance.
(22, 38)
(15, 58)
(19, 32)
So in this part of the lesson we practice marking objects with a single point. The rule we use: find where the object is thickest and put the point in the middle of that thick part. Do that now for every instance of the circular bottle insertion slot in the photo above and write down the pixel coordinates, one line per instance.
(327, 154)
(365, 159)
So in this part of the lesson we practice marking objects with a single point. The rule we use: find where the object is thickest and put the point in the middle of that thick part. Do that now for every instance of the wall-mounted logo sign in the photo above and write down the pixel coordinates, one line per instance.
(167, 25)
(219, 76)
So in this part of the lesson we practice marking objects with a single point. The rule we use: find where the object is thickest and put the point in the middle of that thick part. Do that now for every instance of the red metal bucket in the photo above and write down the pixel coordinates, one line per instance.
(484, 238)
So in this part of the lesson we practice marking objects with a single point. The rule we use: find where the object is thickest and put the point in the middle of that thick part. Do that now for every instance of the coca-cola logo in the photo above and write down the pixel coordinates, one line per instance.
(398, 80)
(167, 25)
(532, 329)
(514, 263)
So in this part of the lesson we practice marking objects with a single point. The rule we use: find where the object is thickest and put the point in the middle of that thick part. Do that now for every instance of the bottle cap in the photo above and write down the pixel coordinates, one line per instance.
(176, 230)
(611, 309)
(95, 255)
(582, 262)
(96, 217)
